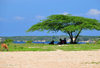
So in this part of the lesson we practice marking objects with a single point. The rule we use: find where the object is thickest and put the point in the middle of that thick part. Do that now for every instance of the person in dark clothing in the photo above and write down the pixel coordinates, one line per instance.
(60, 41)
(52, 42)
(64, 41)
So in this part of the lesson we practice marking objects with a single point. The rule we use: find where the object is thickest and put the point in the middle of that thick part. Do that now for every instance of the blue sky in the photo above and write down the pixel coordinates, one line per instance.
(16, 16)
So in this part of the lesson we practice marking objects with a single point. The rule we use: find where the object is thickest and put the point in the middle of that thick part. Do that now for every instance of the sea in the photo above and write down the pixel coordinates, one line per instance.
(21, 42)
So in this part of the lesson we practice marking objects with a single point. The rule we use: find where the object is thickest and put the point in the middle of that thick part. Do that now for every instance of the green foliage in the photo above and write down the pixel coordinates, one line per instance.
(98, 41)
(8, 41)
(66, 22)
(29, 41)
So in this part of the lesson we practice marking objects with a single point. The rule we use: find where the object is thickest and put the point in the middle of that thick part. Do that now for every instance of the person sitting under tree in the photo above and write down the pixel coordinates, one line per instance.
(61, 41)
(65, 41)
(52, 42)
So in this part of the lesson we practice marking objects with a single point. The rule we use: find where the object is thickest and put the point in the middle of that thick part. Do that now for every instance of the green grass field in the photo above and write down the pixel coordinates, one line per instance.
(46, 47)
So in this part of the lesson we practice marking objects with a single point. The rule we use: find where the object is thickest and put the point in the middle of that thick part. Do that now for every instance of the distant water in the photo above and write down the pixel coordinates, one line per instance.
(21, 42)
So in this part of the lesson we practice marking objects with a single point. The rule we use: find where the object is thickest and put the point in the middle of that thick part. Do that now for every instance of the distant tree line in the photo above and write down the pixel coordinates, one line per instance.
(48, 38)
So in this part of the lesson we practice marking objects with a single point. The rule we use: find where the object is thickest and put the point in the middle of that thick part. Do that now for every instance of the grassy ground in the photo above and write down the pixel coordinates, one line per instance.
(46, 47)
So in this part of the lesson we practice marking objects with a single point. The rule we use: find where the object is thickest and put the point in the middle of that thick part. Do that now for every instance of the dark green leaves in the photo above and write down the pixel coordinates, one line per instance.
(66, 23)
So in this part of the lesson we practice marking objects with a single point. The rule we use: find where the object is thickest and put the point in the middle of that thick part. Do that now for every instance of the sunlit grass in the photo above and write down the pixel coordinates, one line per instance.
(47, 47)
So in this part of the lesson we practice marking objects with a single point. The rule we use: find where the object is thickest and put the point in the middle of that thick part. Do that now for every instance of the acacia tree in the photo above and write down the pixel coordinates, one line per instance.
(71, 25)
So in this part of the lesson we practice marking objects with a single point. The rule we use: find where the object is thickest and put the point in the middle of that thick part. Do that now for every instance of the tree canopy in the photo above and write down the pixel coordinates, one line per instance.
(71, 25)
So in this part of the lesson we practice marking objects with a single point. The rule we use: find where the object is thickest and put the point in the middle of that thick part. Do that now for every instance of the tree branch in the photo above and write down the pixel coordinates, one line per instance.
(77, 35)
(71, 36)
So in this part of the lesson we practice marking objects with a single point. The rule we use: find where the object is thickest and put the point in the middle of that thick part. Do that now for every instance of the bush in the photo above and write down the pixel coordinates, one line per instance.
(29, 41)
(98, 41)
(8, 41)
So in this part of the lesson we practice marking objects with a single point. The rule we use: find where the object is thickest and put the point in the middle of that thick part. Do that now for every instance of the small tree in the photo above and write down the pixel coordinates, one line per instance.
(8, 41)
(29, 41)
(71, 25)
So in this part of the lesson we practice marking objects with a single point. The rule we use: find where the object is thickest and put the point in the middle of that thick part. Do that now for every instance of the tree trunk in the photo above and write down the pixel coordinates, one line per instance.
(75, 41)
(71, 37)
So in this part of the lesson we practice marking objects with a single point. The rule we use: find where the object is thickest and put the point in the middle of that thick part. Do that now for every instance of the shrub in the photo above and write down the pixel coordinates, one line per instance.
(29, 41)
(98, 41)
(8, 41)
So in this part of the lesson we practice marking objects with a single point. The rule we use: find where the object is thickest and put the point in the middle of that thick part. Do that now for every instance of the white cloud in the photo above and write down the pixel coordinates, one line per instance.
(93, 12)
(40, 17)
(65, 13)
(19, 18)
